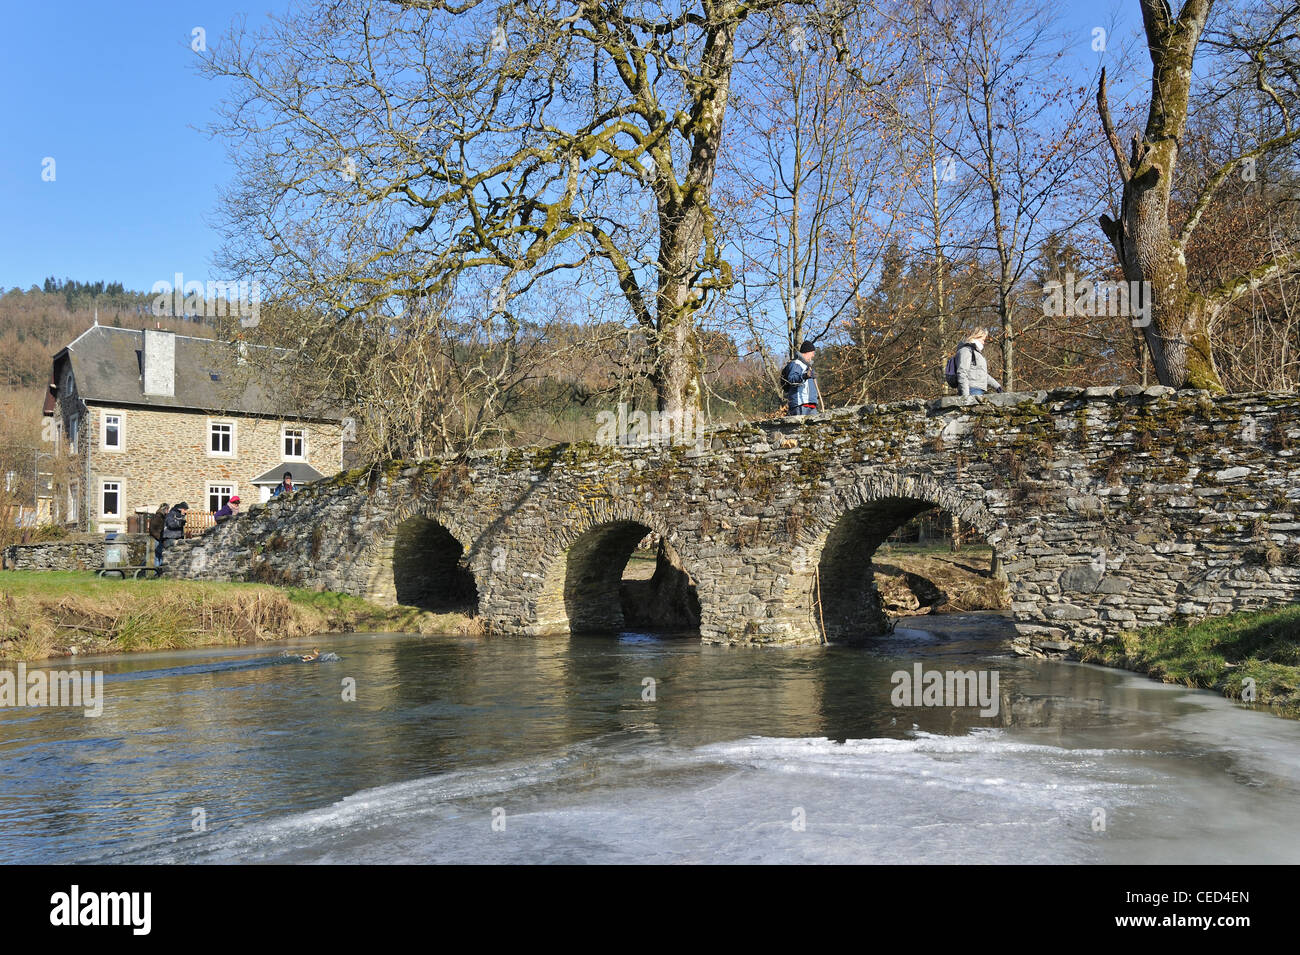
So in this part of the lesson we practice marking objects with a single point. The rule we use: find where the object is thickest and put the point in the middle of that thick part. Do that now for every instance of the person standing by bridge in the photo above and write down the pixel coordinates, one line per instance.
(799, 382)
(157, 521)
(173, 528)
(285, 487)
(227, 510)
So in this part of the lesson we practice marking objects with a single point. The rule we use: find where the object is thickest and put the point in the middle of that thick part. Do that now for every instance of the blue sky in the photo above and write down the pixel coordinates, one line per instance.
(110, 93)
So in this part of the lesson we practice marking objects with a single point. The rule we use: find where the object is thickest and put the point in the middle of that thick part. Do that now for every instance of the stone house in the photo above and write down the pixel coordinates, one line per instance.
(150, 416)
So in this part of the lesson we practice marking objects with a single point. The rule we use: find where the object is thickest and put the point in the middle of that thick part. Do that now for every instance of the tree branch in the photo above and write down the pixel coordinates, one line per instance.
(1212, 184)
(1281, 264)
(1108, 125)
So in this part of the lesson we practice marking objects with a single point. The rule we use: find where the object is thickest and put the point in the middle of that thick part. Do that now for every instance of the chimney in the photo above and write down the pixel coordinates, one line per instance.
(159, 362)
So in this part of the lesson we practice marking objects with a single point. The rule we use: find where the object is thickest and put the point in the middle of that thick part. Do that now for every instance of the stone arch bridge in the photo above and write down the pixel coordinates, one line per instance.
(1108, 508)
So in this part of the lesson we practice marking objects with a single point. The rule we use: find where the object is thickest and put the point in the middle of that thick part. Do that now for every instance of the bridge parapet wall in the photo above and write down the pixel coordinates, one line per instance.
(1109, 508)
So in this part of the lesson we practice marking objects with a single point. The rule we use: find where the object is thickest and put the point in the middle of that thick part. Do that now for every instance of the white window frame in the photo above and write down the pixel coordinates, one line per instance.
(74, 490)
(284, 437)
(121, 431)
(231, 485)
(234, 438)
(74, 432)
(121, 499)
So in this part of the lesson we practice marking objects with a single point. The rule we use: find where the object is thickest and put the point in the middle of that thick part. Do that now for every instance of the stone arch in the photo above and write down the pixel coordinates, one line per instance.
(420, 558)
(833, 565)
(581, 583)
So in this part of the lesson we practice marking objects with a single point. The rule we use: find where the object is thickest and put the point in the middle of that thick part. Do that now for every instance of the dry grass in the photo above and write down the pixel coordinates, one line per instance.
(963, 577)
(54, 614)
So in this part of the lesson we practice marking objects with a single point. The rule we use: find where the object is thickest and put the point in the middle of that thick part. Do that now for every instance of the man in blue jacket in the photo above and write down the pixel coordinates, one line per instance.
(285, 487)
(799, 382)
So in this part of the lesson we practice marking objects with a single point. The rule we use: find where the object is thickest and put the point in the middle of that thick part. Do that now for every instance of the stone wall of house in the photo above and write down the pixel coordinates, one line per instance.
(74, 454)
(165, 456)
(79, 552)
(1108, 508)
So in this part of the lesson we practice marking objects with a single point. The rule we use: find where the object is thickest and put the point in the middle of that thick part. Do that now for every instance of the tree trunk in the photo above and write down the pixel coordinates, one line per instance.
(677, 366)
(1177, 333)
(1008, 343)
(686, 244)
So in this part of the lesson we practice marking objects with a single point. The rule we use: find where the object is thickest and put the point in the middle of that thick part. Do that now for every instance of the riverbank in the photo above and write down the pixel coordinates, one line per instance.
(54, 614)
(914, 580)
(1258, 650)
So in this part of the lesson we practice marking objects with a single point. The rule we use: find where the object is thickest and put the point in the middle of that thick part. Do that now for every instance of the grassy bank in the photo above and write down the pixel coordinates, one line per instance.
(53, 614)
(1218, 654)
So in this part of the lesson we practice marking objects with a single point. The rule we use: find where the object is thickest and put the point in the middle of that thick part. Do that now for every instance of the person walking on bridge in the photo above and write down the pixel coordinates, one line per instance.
(799, 382)
(973, 376)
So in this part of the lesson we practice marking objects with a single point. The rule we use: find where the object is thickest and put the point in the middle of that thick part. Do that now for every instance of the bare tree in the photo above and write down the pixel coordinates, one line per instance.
(1019, 140)
(1179, 334)
(809, 195)
(526, 139)
(930, 118)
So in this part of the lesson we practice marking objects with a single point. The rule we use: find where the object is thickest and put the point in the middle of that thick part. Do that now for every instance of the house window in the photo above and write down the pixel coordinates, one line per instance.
(221, 438)
(295, 443)
(218, 495)
(112, 432)
(110, 499)
(73, 492)
(74, 427)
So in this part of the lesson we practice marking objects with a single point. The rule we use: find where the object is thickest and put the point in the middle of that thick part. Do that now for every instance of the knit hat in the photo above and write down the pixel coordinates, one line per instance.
(806, 346)
(183, 506)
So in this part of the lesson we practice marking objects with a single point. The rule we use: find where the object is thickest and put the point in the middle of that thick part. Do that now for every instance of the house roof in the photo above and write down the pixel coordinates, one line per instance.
(303, 473)
(106, 362)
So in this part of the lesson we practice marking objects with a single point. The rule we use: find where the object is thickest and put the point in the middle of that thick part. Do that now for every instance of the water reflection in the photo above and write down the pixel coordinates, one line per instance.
(247, 735)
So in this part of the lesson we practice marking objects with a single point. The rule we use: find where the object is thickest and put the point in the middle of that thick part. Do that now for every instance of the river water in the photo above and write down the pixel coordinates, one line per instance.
(551, 750)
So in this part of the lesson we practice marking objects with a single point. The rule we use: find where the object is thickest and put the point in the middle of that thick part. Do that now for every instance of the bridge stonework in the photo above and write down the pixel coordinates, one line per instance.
(1108, 508)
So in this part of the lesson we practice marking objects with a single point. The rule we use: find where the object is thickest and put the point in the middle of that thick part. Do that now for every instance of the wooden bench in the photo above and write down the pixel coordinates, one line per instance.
(136, 572)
